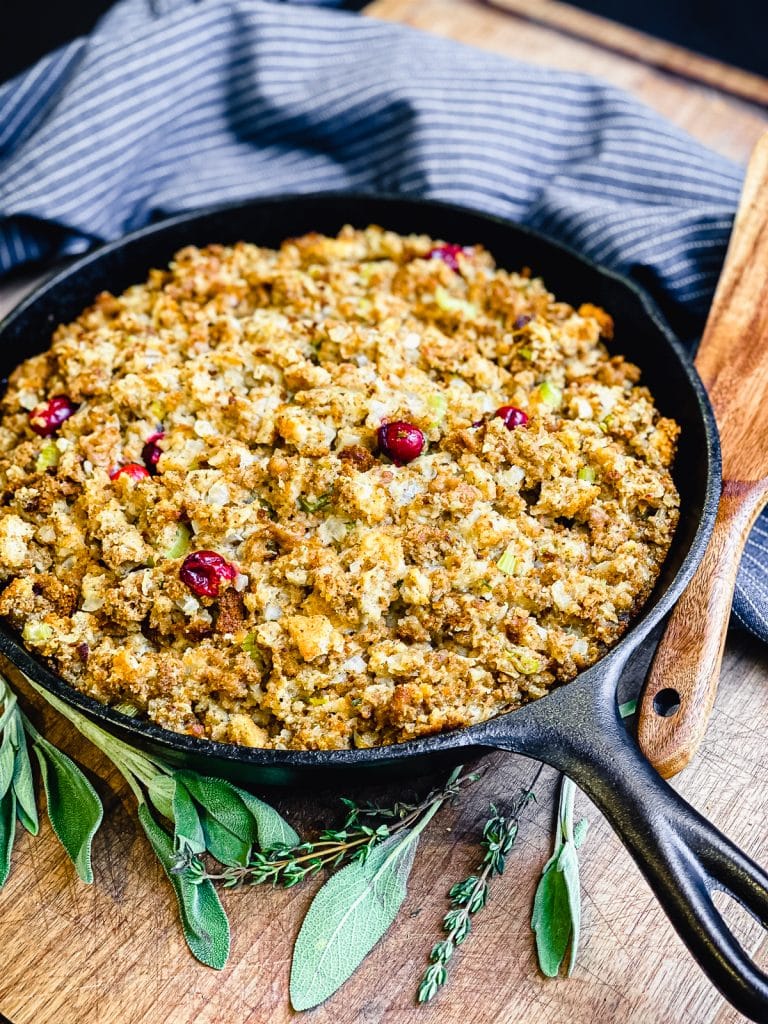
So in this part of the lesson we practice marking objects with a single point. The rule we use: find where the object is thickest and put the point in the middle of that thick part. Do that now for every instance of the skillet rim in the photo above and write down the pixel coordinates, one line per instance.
(467, 736)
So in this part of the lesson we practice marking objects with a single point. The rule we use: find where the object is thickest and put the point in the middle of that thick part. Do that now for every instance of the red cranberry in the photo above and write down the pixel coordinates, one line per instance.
(203, 571)
(46, 419)
(512, 416)
(449, 254)
(151, 451)
(401, 442)
(132, 470)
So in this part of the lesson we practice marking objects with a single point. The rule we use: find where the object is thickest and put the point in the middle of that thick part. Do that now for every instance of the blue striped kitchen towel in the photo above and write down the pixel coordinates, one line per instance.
(174, 104)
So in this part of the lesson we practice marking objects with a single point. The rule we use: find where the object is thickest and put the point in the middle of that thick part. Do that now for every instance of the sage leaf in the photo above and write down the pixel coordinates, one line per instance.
(580, 832)
(73, 805)
(203, 920)
(222, 844)
(161, 789)
(228, 826)
(551, 919)
(7, 833)
(568, 866)
(556, 918)
(222, 803)
(187, 828)
(23, 780)
(7, 761)
(10, 704)
(233, 821)
(24, 789)
(272, 830)
(347, 918)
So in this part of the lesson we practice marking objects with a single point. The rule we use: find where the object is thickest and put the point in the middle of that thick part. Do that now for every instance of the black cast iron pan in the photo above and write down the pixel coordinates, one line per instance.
(577, 728)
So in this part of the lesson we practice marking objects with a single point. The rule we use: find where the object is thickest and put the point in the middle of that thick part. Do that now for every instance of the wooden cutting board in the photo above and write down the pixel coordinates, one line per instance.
(113, 953)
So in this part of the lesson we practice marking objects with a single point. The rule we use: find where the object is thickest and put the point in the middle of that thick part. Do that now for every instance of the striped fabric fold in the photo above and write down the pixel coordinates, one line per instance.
(174, 104)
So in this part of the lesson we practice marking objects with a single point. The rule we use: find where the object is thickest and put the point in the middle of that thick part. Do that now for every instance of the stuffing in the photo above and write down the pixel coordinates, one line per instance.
(343, 493)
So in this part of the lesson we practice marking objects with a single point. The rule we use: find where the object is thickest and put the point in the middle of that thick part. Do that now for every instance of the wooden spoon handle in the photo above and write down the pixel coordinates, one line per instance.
(686, 669)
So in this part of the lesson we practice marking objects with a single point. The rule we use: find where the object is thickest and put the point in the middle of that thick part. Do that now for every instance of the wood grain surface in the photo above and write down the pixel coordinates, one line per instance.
(685, 673)
(113, 953)
(733, 356)
(729, 125)
(733, 362)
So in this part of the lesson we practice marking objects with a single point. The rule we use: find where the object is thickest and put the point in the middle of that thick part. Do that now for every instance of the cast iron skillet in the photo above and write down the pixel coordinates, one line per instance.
(577, 728)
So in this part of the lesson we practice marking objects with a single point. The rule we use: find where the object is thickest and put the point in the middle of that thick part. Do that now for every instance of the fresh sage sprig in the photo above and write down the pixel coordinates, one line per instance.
(204, 814)
(557, 905)
(357, 905)
(556, 917)
(471, 895)
(73, 806)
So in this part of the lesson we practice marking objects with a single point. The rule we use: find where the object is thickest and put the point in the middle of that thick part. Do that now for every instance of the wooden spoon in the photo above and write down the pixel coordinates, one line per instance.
(733, 363)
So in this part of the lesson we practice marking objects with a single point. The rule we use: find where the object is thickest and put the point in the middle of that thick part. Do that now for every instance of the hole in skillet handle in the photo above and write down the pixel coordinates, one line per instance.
(666, 703)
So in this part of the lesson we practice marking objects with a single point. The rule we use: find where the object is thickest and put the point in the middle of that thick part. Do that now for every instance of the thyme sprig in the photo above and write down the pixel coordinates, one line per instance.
(472, 894)
(287, 866)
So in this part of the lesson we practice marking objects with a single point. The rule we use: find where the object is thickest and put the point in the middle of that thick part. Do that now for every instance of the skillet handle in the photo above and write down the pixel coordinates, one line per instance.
(683, 857)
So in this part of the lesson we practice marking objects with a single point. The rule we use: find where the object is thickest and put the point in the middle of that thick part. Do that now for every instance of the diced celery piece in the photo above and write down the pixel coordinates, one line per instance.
(438, 406)
(587, 474)
(524, 661)
(605, 424)
(507, 562)
(180, 545)
(312, 505)
(130, 710)
(551, 394)
(36, 633)
(158, 411)
(450, 304)
(49, 456)
(251, 647)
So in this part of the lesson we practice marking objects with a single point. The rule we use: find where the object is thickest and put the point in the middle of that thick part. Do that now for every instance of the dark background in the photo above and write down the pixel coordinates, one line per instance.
(32, 28)
(736, 31)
